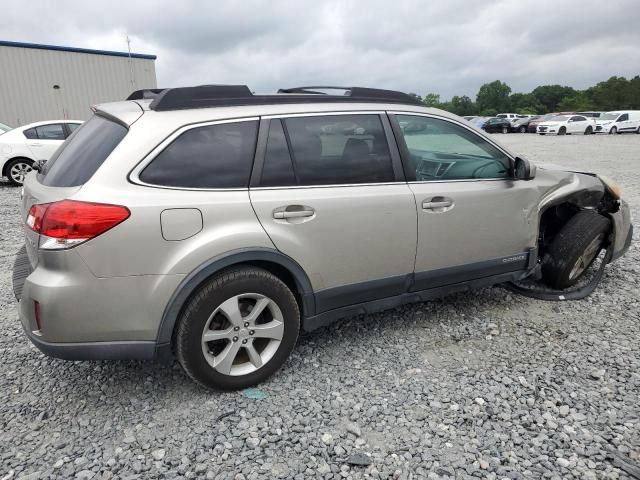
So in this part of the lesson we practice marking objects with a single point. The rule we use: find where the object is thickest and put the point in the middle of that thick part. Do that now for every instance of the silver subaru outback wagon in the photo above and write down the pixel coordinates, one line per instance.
(212, 224)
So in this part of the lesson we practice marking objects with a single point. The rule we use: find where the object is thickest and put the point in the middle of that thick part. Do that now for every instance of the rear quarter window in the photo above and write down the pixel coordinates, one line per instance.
(75, 162)
(213, 156)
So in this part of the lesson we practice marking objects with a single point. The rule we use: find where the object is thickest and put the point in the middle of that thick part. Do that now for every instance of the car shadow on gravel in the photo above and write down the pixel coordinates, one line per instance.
(113, 378)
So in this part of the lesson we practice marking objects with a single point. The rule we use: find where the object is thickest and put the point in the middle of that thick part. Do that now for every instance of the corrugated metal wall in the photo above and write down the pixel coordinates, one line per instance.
(28, 75)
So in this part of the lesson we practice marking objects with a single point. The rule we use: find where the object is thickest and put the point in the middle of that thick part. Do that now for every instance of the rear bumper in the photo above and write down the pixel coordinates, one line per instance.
(83, 317)
(141, 350)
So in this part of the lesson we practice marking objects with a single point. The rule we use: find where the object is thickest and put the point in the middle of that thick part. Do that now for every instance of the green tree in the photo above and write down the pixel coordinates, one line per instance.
(577, 102)
(432, 100)
(550, 96)
(493, 96)
(612, 94)
(461, 105)
(525, 103)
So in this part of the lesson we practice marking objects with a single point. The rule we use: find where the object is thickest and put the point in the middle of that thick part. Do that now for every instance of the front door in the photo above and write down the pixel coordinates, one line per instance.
(474, 219)
(330, 195)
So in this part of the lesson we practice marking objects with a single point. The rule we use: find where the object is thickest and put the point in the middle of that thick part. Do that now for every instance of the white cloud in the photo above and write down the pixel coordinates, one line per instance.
(449, 47)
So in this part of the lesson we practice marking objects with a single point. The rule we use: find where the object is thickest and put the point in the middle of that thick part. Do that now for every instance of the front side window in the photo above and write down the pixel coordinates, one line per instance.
(339, 149)
(72, 127)
(624, 117)
(55, 131)
(441, 150)
(214, 156)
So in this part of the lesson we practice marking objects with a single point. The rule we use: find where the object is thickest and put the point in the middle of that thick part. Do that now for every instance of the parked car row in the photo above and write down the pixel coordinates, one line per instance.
(21, 147)
(561, 123)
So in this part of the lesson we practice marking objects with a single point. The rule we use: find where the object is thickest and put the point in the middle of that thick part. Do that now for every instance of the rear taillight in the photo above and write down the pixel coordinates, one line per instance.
(68, 223)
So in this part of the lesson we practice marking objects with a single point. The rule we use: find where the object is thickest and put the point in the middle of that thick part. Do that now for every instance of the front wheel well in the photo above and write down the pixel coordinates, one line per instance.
(8, 162)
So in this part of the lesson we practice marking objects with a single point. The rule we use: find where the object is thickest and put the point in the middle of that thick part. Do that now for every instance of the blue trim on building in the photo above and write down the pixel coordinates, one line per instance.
(5, 43)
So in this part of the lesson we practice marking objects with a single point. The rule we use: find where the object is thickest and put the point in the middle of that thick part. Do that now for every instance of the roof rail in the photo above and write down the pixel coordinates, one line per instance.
(368, 94)
(234, 95)
(146, 93)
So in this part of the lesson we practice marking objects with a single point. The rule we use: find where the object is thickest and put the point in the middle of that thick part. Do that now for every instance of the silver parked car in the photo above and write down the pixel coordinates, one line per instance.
(212, 224)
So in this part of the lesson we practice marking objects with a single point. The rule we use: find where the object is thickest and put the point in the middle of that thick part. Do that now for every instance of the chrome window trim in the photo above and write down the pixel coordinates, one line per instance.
(134, 175)
(328, 113)
(472, 130)
(335, 185)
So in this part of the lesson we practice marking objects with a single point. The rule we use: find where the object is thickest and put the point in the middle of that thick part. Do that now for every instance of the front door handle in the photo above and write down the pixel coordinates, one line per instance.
(35, 144)
(437, 204)
(293, 211)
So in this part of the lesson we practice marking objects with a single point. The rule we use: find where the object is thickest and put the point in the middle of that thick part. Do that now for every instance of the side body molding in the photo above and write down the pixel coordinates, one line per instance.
(242, 255)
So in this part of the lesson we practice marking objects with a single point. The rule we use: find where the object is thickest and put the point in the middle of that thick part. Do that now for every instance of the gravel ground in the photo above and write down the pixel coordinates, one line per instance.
(478, 385)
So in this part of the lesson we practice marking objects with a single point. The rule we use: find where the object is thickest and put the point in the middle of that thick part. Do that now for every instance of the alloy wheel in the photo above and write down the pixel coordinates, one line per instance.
(242, 334)
(586, 258)
(19, 170)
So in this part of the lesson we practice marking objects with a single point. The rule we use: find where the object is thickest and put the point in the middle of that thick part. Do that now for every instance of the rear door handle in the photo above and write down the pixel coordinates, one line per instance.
(436, 203)
(293, 211)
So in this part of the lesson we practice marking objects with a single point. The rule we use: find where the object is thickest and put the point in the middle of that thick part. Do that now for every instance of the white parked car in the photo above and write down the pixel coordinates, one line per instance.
(626, 121)
(567, 124)
(22, 146)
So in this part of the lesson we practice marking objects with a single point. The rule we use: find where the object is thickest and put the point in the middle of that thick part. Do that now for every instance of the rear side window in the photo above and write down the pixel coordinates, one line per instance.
(31, 134)
(339, 149)
(83, 153)
(215, 156)
(55, 131)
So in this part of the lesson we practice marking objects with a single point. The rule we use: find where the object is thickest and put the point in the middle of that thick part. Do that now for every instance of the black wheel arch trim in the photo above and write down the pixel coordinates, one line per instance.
(242, 255)
(5, 167)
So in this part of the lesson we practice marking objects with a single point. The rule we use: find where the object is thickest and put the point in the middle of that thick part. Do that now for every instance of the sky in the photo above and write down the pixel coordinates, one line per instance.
(450, 47)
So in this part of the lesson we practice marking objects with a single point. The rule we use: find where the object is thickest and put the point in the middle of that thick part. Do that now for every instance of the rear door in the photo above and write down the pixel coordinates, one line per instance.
(474, 219)
(330, 194)
(577, 124)
(49, 138)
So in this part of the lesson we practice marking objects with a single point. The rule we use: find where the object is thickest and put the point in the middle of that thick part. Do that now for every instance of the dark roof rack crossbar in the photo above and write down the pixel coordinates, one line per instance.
(235, 95)
(146, 93)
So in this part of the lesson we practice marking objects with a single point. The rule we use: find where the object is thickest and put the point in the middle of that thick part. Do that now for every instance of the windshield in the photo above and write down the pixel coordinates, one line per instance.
(559, 118)
(609, 116)
(4, 128)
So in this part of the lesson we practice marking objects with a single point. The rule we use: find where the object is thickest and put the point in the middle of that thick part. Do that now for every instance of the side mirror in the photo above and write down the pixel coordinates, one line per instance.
(524, 169)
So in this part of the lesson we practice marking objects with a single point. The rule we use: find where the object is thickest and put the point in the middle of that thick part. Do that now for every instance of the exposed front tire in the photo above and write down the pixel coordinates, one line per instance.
(505, 130)
(562, 131)
(522, 129)
(17, 169)
(238, 329)
(613, 131)
(574, 248)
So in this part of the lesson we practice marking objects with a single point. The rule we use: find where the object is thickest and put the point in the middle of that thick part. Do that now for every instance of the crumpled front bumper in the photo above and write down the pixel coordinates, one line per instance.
(622, 230)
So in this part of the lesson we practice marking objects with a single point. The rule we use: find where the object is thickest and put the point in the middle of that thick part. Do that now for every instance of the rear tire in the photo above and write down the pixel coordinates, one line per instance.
(562, 131)
(505, 130)
(588, 131)
(574, 249)
(242, 349)
(522, 129)
(17, 169)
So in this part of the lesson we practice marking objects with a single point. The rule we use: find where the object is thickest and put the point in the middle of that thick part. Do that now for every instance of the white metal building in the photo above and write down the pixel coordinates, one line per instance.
(48, 82)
